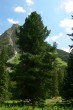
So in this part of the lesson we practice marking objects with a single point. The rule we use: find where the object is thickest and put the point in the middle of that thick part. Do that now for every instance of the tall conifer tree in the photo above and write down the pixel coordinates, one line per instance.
(32, 76)
(67, 90)
(4, 77)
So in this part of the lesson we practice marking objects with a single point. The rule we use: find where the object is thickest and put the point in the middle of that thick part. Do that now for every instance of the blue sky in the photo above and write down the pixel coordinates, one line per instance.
(56, 15)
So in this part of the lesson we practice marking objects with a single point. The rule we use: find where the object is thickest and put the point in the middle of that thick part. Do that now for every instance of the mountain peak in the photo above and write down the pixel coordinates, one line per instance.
(15, 26)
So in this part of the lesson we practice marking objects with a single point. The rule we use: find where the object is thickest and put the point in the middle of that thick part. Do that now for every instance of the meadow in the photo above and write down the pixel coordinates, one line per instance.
(50, 104)
(36, 108)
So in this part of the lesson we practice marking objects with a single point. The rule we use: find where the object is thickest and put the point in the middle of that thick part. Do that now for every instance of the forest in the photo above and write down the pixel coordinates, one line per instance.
(37, 79)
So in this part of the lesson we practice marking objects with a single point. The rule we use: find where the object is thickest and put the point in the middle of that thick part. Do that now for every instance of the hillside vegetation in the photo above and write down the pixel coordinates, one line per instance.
(63, 55)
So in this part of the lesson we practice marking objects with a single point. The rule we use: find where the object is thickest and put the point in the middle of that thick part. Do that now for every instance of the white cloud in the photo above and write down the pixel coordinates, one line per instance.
(10, 20)
(55, 37)
(47, 39)
(68, 5)
(69, 30)
(29, 2)
(67, 24)
(19, 9)
(0, 34)
(66, 49)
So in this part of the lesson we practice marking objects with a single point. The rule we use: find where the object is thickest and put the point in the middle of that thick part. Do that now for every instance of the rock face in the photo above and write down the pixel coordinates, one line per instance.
(9, 38)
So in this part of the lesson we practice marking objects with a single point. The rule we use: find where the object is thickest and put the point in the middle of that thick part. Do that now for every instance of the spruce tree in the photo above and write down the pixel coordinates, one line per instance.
(67, 89)
(4, 77)
(32, 73)
(55, 83)
(57, 72)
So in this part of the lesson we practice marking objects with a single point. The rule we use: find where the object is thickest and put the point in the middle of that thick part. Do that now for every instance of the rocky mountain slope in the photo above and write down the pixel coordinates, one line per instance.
(8, 39)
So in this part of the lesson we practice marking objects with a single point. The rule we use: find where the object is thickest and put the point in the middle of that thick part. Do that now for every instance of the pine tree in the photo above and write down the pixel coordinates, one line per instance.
(3, 76)
(67, 89)
(31, 74)
(55, 83)
(57, 72)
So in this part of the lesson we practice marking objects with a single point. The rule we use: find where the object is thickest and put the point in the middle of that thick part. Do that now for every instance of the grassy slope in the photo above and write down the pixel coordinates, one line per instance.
(16, 59)
(61, 62)
(63, 55)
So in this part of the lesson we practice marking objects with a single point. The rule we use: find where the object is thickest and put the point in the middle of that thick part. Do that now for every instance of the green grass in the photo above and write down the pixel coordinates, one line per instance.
(16, 59)
(50, 104)
(36, 108)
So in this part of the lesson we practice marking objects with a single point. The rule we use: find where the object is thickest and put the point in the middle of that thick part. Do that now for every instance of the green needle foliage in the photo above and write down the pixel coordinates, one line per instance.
(32, 73)
(4, 77)
(67, 91)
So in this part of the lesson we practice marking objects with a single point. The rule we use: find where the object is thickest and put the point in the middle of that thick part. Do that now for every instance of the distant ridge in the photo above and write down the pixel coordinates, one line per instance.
(63, 55)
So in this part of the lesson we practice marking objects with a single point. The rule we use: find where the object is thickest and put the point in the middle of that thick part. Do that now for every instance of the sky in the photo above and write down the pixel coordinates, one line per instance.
(56, 15)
